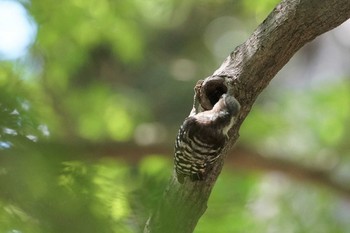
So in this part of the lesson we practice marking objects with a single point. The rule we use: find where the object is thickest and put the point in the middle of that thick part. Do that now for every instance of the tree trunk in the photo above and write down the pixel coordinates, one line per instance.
(251, 66)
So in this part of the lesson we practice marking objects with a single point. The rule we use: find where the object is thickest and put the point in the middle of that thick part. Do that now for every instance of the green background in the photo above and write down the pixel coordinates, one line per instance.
(89, 113)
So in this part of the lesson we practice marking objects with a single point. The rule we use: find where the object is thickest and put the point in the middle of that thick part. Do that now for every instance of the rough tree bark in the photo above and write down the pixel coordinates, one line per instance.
(251, 67)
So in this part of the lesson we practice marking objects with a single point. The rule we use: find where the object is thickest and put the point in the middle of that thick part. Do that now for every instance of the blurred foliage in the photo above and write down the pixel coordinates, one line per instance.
(261, 7)
(312, 131)
(123, 71)
(325, 111)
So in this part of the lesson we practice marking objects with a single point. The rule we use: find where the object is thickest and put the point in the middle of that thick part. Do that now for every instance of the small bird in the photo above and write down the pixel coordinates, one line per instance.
(202, 136)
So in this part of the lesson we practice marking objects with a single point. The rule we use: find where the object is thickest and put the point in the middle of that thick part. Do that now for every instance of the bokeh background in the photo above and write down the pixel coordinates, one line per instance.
(92, 94)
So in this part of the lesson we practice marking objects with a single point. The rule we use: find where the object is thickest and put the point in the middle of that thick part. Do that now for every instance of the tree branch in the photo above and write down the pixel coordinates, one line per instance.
(237, 158)
(252, 65)
(248, 159)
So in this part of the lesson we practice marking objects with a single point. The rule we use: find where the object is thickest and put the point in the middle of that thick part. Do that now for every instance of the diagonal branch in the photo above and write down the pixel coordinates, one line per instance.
(247, 159)
(252, 65)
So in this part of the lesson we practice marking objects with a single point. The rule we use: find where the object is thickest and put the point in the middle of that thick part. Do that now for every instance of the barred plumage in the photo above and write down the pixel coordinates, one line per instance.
(202, 137)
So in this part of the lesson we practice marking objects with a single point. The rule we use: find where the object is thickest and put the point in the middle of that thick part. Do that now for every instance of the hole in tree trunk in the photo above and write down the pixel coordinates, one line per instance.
(212, 89)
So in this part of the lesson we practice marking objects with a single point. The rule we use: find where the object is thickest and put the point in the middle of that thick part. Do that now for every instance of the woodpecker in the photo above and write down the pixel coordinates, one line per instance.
(202, 137)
